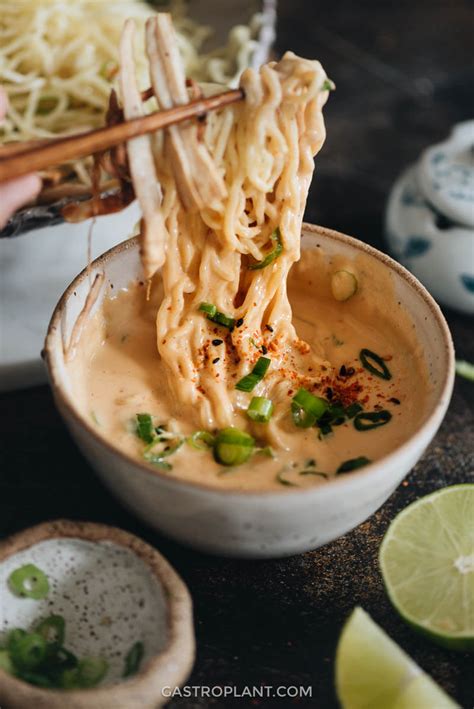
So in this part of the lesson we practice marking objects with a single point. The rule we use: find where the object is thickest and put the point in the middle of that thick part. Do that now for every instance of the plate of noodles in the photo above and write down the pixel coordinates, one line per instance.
(58, 64)
(248, 384)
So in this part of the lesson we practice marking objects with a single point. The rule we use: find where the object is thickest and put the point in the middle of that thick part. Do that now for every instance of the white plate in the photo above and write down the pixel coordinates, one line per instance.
(35, 268)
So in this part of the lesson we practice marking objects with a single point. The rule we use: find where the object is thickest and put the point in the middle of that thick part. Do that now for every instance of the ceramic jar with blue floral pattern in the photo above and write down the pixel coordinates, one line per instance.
(430, 219)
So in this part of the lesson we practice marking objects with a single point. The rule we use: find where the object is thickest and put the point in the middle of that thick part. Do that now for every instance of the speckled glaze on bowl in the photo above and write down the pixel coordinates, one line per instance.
(242, 523)
(113, 590)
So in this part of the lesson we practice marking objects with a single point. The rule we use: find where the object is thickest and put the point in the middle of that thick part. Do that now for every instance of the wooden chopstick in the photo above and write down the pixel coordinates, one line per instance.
(22, 158)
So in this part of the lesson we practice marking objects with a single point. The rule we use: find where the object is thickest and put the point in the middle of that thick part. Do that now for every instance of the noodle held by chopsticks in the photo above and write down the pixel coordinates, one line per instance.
(234, 250)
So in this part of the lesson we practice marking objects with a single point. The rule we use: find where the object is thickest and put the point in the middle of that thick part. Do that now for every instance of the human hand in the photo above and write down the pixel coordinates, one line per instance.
(15, 193)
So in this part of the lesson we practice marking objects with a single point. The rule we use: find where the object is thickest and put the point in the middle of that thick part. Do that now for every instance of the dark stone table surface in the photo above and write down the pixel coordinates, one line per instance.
(404, 75)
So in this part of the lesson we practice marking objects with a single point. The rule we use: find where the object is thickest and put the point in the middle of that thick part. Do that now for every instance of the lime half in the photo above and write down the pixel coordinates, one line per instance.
(373, 672)
(427, 562)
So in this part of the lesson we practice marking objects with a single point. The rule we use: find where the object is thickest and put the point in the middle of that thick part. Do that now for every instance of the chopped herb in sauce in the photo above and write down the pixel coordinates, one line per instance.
(352, 464)
(374, 364)
(272, 255)
(368, 420)
(250, 381)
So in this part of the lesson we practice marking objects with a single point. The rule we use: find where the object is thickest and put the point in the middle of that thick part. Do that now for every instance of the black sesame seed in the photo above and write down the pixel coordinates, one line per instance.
(215, 360)
(269, 328)
(264, 349)
(343, 371)
(329, 393)
(239, 322)
(394, 400)
(217, 342)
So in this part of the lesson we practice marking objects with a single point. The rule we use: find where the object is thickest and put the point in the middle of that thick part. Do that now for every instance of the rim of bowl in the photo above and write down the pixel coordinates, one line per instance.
(435, 417)
(179, 651)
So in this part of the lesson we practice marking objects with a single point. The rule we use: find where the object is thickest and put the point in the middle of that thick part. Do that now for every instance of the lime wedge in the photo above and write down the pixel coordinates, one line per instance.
(427, 563)
(373, 672)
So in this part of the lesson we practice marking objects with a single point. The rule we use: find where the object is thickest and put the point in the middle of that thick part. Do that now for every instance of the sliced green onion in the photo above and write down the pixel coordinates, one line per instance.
(250, 381)
(59, 659)
(201, 440)
(380, 370)
(52, 629)
(306, 408)
(352, 464)
(274, 253)
(208, 308)
(29, 582)
(223, 320)
(91, 671)
(260, 409)
(374, 419)
(28, 651)
(5, 662)
(157, 458)
(353, 409)
(216, 316)
(36, 678)
(465, 369)
(328, 85)
(325, 429)
(145, 428)
(343, 285)
(133, 659)
(233, 447)
(284, 481)
(266, 450)
(14, 636)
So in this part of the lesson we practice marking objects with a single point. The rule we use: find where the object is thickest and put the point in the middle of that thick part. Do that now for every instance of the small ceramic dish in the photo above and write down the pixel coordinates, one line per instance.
(113, 590)
(249, 523)
(430, 219)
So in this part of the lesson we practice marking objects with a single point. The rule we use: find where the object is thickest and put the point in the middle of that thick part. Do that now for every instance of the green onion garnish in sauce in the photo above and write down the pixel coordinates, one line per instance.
(233, 447)
(274, 253)
(374, 364)
(368, 420)
(260, 409)
(201, 440)
(29, 581)
(352, 464)
(250, 381)
(208, 308)
(216, 316)
(145, 428)
(306, 408)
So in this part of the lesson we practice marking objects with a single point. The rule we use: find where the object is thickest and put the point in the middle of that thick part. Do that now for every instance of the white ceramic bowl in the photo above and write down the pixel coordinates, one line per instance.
(113, 590)
(255, 524)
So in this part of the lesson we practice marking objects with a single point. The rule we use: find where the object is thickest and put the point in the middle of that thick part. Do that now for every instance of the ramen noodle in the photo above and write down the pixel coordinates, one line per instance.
(231, 371)
(59, 58)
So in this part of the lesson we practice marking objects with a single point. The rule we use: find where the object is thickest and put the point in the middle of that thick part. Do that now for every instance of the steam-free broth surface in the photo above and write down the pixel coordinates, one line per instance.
(117, 373)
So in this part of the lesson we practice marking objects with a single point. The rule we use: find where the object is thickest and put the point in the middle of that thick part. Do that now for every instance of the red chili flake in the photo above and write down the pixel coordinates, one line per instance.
(290, 392)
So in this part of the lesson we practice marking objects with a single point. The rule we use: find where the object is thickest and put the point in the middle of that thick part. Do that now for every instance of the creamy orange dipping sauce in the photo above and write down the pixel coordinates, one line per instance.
(117, 373)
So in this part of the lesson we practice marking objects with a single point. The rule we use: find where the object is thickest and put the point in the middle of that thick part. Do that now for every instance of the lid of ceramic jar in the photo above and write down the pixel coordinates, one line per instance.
(446, 175)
